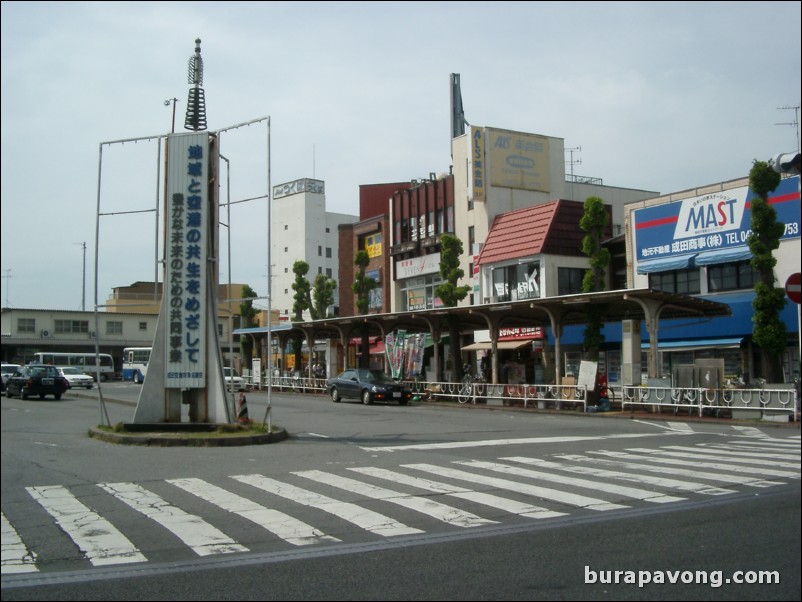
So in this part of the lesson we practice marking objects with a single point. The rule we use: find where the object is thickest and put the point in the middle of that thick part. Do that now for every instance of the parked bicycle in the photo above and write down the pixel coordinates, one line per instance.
(468, 385)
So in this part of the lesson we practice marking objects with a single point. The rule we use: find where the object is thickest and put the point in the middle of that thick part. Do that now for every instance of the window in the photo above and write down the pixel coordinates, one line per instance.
(143, 326)
(569, 280)
(26, 325)
(72, 326)
(676, 281)
(319, 251)
(731, 276)
(328, 252)
(328, 272)
(114, 327)
(286, 249)
(286, 227)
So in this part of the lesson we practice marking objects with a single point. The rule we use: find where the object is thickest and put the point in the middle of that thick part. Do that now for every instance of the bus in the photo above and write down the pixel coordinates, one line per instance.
(135, 363)
(85, 361)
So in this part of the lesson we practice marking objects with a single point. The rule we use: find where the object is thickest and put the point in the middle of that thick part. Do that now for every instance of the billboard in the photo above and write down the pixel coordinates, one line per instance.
(709, 222)
(518, 160)
(186, 270)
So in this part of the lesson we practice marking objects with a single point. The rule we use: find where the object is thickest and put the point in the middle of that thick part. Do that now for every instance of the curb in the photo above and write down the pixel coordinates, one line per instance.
(156, 439)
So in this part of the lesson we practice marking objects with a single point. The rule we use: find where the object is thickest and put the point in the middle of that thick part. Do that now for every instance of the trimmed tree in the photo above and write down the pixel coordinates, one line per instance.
(362, 286)
(247, 318)
(769, 330)
(594, 223)
(301, 302)
(450, 293)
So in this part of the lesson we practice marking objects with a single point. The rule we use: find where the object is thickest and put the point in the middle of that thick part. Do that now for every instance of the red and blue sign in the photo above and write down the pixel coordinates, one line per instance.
(718, 220)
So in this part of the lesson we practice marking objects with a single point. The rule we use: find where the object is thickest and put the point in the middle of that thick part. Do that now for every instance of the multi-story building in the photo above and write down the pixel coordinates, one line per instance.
(302, 229)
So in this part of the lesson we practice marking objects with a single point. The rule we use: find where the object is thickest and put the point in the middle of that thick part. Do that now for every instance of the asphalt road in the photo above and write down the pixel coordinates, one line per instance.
(489, 530)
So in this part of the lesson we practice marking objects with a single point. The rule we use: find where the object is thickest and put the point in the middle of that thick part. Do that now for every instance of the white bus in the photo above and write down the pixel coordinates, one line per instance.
(85, 361)
(135, 363)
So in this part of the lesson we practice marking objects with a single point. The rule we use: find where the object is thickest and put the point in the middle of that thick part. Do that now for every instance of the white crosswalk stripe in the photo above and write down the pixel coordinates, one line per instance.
(680, 485)
(100, 542)
(478, 497)
(286, 527)
(201, 537)
(564, 497)
(442, 512)
(511, 488)
(16, 557)
(353, 513)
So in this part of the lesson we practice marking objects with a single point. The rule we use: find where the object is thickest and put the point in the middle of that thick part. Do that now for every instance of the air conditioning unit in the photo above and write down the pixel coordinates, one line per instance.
(46, 334)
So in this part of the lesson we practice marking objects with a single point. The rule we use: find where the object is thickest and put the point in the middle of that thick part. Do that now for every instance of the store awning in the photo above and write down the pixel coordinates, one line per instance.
(692, 344)
(731, 254)
(263, 329)
(487, 346)
(681, 262)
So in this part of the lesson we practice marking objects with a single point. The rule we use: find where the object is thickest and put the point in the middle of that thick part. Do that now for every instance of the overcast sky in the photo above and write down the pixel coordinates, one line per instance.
(659, 96)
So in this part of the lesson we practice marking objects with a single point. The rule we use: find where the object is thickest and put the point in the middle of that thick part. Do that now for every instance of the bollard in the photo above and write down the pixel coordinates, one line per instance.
(242, 408)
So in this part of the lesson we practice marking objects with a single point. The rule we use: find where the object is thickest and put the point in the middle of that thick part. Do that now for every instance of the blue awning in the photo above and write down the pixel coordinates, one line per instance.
(691, 344)
(680, 262)
(727, 255)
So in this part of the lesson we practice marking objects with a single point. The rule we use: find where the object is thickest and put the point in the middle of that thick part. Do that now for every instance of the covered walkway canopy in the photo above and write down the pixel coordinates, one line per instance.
(648, 305)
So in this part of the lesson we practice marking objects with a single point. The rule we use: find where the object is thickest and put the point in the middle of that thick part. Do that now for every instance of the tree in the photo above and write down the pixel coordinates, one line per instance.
(301, 298)
(362, 286)
(769, 330)
(301, 302)
(247, 319)
(450, 293)
(322, 296)
(594, 222)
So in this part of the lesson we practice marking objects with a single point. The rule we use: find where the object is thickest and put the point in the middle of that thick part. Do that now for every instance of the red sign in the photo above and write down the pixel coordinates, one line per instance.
(793, 287)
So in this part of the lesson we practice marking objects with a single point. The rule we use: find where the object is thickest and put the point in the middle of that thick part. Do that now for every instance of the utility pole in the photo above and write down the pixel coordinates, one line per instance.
(8, 278)
(166, 104)
(83, 279)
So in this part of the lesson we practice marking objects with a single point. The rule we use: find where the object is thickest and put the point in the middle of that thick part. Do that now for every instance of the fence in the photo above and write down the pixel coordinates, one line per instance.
(739, 403)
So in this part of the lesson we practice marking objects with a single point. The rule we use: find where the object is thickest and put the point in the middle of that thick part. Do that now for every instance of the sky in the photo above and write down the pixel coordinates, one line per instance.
(660, 96)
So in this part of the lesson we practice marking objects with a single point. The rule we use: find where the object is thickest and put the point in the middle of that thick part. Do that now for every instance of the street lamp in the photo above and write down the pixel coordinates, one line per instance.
(167, 104)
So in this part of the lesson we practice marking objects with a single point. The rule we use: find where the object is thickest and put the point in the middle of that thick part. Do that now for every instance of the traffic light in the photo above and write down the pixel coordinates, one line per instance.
(785, 163)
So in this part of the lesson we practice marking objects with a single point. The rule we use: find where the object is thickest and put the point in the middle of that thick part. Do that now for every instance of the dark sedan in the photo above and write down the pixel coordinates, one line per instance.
(367, 385)
(36, 379)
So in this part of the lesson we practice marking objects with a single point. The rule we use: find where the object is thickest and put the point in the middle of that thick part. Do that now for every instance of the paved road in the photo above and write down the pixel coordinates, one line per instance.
(381, 481)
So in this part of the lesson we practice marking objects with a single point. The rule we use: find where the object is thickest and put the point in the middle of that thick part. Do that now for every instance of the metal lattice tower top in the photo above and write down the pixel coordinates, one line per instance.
(196, 102)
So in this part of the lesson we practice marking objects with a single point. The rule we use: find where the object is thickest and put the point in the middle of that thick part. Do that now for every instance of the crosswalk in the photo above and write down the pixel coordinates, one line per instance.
(324, 507)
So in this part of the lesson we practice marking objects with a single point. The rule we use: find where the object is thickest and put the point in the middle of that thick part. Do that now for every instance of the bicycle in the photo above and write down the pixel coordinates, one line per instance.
(466, 389)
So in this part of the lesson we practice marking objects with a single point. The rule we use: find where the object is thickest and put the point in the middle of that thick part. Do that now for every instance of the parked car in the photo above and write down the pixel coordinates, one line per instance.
(76, 377)
(36, 379)
(8, 370)
(367, 385)
(233, 380)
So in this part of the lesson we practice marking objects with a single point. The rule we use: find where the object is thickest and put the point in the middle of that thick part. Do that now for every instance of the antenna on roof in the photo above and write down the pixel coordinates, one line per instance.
(795, 122)
(573, 162)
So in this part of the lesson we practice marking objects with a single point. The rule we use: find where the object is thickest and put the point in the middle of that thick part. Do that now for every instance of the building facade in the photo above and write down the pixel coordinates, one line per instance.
(302, 229)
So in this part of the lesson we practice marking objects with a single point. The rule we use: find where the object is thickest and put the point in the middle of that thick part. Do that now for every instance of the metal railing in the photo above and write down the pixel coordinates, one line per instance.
(703, 401)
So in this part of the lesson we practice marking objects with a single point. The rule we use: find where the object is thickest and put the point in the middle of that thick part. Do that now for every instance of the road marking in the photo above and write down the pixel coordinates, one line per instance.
(478, 497)
(16, 557)
(361, 517)
(633, 492)
(690, 455)
(758, 455)
(201, 537)
(97, 538)
(563, 497)
(524, 441)
(691, 486)
(284, 526)
(441, 512)
(708, 476)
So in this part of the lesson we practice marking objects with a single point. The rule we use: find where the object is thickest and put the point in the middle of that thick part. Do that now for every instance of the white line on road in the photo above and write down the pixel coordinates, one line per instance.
(97, 538)
(16, 557)
(200, 536)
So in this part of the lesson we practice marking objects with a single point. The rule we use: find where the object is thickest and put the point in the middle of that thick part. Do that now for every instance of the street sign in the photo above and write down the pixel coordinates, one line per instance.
(793, 287)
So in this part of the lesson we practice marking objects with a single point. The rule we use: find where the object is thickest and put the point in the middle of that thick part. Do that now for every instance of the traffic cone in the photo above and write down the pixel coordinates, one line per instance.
(242, 408)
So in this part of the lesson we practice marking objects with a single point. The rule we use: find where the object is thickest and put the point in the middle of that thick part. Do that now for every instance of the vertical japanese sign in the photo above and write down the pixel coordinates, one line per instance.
(478, 164)
(394, 348)
(186, 274)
